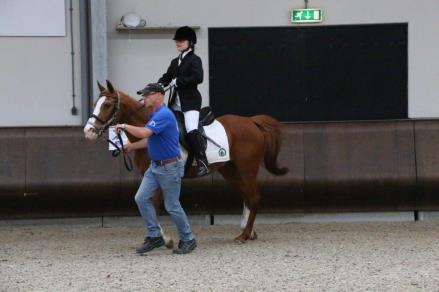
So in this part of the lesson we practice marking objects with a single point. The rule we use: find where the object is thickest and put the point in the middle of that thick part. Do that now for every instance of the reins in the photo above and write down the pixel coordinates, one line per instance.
(127, 161)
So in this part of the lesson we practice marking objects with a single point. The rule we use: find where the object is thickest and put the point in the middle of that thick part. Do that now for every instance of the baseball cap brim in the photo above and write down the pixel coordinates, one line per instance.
(145, 91)
(152, 88)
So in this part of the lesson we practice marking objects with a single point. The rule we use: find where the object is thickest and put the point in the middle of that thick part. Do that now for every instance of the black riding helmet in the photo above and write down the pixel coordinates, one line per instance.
(151, 88)
(185, 33)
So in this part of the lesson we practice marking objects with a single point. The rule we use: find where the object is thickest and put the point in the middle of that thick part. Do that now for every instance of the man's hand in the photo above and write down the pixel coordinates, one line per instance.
(119, 128)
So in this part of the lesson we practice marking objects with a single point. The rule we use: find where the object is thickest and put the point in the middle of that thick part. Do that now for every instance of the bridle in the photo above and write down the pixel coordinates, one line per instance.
(112, 120)
(107, 123)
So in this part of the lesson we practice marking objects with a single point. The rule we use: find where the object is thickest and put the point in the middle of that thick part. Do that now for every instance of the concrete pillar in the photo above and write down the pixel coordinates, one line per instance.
(94, 53)
(98, 36)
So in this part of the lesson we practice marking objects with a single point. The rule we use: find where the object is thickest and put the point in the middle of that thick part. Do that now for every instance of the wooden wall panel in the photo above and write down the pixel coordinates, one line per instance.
(349, 166)
(359, 166)
(427, 158)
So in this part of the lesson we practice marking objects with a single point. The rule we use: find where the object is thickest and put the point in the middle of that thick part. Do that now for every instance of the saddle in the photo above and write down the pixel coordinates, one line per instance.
(206, 118)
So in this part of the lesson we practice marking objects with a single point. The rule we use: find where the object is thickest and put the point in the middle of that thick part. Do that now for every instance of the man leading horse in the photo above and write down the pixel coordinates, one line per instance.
(164, 173)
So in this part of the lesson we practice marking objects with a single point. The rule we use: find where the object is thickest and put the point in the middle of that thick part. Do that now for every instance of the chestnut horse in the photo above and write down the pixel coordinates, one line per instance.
(252, 140)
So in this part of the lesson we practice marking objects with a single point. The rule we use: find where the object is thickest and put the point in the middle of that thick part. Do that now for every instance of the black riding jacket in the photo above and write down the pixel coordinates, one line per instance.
(189, 74)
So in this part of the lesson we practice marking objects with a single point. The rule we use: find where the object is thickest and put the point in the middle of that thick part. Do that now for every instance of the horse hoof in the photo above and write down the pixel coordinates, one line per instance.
(240, 239)
(253, 235)
(169, 244)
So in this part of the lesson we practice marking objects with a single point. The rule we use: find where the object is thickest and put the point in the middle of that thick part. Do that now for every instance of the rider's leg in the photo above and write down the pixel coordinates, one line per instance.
(196, 140)
(191, 119)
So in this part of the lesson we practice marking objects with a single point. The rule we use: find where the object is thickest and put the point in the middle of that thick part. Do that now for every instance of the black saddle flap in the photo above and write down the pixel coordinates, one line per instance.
(206, 116)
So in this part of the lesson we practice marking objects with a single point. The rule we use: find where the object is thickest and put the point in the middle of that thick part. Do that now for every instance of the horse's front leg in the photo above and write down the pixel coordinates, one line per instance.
(244, 220)
(169, 243)
(157, 201)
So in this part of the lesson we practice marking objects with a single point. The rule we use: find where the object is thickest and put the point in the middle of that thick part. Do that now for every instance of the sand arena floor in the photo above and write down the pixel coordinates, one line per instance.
(400, 256)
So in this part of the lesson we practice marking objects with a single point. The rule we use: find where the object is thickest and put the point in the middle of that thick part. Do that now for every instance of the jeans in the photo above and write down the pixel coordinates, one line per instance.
(168, 179)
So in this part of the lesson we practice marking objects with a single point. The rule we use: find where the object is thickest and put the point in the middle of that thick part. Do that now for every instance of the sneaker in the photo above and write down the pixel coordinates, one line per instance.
(150, 243)
(185, 247)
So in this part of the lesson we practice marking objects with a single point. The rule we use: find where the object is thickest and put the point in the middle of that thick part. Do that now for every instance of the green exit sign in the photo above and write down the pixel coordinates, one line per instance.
(306, 15)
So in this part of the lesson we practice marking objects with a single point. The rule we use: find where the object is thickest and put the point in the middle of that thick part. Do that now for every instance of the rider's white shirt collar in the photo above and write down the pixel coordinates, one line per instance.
(182, 55)
(185, 53)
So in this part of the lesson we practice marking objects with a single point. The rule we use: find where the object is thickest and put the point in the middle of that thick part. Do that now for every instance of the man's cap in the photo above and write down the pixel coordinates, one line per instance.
(152, 88)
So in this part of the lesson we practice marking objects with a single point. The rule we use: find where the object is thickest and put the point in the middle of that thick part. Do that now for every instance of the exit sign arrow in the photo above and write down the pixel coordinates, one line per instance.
(306, 15)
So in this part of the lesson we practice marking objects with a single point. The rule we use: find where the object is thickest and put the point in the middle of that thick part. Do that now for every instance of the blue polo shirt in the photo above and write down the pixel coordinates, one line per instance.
(163, 144)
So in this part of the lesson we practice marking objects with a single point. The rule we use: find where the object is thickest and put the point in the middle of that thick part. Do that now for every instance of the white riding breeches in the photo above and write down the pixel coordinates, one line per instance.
(191, 120)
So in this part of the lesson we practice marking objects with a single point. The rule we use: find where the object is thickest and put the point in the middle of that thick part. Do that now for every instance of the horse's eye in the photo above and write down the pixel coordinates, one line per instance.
(107, 105)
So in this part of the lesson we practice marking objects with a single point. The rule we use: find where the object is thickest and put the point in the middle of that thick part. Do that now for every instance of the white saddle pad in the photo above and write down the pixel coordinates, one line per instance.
(214, 154)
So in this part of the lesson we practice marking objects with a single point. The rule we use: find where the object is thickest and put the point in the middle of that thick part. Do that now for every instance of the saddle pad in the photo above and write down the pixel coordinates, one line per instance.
(217, 133)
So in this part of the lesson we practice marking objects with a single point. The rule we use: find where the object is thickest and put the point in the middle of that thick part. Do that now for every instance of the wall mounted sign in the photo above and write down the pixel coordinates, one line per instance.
(306, 15)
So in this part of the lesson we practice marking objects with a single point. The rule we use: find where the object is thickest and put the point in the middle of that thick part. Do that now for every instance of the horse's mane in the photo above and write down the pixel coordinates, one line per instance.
(134, 104)
(126, 95)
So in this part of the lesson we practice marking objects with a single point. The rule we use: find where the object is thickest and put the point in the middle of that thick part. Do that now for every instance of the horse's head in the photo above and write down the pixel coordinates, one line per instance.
(105, 112)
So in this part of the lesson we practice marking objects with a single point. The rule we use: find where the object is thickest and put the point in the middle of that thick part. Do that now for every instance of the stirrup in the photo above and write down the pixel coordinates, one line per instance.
(202, 168)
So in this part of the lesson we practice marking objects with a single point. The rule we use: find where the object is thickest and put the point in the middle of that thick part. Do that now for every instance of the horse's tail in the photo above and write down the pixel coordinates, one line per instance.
(271, 128)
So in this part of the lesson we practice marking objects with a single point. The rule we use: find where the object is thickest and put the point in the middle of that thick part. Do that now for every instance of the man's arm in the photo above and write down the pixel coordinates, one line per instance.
(136, 145)
(139, 132)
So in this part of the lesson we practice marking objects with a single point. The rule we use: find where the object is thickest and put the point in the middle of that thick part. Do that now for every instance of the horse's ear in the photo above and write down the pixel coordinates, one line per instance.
(101, 88)
(110, 87)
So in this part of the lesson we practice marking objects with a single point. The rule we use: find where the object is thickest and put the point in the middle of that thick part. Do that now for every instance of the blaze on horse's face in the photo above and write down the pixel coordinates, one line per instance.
(104, 112)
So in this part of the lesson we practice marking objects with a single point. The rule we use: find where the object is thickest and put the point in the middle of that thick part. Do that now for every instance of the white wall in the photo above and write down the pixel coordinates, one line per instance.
(35, 78)
(136, 58)
(32, 18)
(35, 72)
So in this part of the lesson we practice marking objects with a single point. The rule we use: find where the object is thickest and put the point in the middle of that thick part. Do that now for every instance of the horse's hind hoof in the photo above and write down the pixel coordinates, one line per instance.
(169, 244)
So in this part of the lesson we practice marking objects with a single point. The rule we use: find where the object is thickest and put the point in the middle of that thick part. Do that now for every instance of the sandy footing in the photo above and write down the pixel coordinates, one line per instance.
(401, 256)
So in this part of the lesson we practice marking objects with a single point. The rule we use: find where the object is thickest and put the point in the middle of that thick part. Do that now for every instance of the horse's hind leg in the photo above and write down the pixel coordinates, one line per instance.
(252, 199)
(247, 187)
(244, 220)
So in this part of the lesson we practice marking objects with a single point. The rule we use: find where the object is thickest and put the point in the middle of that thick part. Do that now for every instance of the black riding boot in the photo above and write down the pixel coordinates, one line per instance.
(196, 142)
